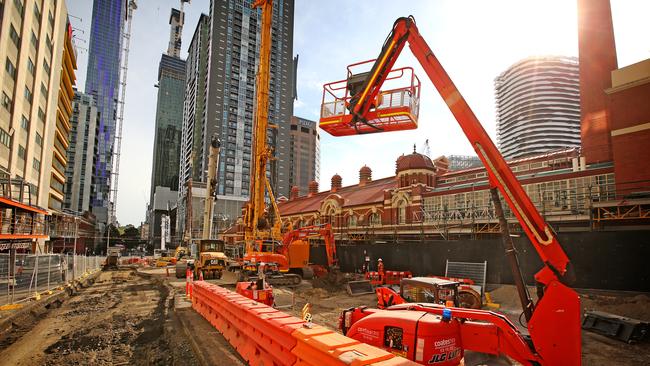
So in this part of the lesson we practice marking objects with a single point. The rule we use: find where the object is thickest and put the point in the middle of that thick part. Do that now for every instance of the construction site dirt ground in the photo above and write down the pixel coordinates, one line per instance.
(141, 318)
(124, 318)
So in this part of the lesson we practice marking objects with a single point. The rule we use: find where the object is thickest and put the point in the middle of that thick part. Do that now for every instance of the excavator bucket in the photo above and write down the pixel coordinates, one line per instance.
(356, 288)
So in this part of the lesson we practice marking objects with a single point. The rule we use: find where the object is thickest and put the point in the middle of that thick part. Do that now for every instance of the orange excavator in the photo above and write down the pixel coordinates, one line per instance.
(432, 333)
(292, 255)
(299, 238)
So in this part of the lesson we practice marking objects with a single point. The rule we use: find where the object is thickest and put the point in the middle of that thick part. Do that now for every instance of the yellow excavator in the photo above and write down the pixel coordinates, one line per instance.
(211, 260)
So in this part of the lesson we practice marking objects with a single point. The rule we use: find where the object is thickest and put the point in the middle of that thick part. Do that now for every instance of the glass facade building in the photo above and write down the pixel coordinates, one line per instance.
(169, 123)
(305, 153)
(81, 153)
(102, 82)
(223, 102)
(234, 54)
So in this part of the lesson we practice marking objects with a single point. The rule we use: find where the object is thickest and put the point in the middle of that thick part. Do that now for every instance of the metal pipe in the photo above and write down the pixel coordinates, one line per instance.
(511, 254)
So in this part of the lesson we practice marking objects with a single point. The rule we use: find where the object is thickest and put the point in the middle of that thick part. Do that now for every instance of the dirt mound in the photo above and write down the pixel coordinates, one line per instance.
(637, 306)
(508, 298)
(318, 293)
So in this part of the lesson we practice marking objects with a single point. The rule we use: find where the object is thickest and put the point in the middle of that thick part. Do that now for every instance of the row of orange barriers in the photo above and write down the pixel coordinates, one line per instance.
(390, 277)
(265, 336)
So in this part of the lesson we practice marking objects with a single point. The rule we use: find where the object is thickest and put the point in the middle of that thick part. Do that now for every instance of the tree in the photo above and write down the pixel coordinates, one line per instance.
(131, 232)
(115, 233)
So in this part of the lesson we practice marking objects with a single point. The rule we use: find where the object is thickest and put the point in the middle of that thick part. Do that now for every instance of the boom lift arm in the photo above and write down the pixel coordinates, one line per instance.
(555, 324)
(557, 265)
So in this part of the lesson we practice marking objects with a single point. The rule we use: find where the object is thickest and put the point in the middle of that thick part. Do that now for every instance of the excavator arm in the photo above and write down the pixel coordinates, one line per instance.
(324, 231)
(555, 324)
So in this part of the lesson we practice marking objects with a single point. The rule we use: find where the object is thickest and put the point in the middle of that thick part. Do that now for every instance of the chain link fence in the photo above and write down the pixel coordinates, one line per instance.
(23, 276)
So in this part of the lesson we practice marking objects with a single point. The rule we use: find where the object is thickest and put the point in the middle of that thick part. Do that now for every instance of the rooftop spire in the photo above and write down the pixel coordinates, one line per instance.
(176, 20)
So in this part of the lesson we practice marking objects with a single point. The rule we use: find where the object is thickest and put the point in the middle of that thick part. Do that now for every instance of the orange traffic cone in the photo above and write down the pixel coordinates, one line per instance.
(191, 285)
(187, 282)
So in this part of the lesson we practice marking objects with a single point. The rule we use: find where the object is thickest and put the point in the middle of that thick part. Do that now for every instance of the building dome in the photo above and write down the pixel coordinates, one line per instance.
(365, 174)
(313, 187)
(337, 182)
(413, 161)
(295, 192)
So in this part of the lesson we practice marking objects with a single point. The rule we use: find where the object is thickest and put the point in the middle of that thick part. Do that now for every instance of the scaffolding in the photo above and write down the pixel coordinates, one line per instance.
(460, 162)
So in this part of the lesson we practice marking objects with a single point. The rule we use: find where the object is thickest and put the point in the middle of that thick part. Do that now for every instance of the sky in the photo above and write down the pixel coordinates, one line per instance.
(474, 40)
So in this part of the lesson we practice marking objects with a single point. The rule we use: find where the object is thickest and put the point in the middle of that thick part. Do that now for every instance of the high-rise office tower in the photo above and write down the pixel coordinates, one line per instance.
(538, 106)
(102, 82)
(191, 152)
(304, 143)
(234, 44)
(81, 153)
(39, 59)
(169, 112)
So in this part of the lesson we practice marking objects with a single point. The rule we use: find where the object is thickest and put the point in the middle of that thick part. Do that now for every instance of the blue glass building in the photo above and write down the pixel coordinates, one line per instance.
(102, 82)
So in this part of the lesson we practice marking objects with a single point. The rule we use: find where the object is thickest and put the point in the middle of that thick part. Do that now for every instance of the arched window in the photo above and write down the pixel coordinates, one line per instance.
(374, 219)
(401, 212)
(352, 220)
(328, 211)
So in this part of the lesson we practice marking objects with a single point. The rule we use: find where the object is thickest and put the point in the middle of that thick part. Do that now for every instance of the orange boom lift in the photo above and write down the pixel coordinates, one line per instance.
(428, 333)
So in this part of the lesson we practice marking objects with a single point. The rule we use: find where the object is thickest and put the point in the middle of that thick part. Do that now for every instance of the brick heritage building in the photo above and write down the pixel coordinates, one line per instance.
(426, 200)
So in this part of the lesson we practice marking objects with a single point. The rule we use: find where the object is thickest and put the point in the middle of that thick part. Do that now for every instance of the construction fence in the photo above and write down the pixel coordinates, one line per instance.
(24, 276)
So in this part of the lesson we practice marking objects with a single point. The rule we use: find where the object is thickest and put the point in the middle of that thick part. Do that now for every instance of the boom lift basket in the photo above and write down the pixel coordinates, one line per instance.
(395, 108)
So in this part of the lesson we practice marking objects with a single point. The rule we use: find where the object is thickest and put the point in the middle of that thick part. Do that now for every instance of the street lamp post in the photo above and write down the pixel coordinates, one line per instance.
(74, 249)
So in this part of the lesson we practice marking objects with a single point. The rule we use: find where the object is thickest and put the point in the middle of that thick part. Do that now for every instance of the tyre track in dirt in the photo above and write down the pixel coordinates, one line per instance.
(124, 318)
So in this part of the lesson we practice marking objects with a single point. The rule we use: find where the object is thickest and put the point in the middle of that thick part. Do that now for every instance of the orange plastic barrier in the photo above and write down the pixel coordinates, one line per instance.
(321, 346)
(265, 336)
(261, 334)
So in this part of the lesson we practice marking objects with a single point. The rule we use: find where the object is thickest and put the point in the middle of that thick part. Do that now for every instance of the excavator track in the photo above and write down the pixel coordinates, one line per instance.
(289, 279)
(281, 279)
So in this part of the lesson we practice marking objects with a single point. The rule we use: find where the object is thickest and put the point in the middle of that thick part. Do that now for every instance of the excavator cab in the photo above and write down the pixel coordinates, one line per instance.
(395, 108)
(430, 290)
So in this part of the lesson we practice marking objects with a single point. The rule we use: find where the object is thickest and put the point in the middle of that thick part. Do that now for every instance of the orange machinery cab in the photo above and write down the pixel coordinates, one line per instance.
(298, 253)
(286, 257)
(250, 290)
(395, 108)
(423, 337)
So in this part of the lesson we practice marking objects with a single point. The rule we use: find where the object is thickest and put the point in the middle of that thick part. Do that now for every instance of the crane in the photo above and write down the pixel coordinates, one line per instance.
(210, 260)
(256, 225)
(554, 325)
(426, 149)
(262, 228)
(211, 187)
